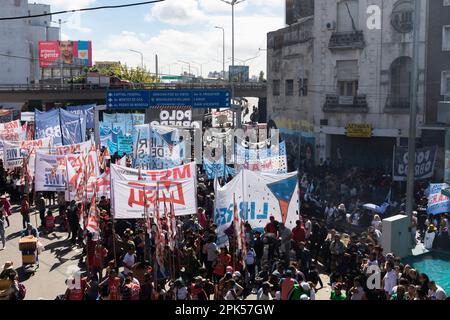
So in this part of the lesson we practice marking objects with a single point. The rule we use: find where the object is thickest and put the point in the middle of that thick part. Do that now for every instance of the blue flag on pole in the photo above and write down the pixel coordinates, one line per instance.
(47, 125)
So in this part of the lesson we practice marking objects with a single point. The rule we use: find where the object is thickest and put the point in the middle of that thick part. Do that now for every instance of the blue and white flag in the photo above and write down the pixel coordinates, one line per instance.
(217, 169)
(47, 125)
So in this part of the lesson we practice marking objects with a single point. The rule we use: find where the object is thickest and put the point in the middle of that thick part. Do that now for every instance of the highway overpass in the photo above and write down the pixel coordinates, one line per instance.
(54, 93)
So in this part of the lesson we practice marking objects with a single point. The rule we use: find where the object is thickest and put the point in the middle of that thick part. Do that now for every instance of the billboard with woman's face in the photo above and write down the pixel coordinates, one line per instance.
(67, 53)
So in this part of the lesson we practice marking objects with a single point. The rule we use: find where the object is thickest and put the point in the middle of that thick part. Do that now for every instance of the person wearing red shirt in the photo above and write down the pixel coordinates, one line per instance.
(298, 234)
(100, 253)
(25, 211)
(76, 292)
(271, 227)
(50, 222)
(223, 260)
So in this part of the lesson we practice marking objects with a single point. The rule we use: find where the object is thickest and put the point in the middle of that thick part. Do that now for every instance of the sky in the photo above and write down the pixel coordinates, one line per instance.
(175, 30)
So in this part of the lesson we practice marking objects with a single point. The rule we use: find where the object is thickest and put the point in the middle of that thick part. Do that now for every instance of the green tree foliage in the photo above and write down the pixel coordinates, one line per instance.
(134, 75)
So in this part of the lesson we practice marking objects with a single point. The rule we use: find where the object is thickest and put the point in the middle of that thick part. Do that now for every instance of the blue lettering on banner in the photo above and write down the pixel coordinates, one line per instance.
(247, 212)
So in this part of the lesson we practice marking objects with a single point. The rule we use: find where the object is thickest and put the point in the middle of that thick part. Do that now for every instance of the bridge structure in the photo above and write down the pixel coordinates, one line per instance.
(57, 93)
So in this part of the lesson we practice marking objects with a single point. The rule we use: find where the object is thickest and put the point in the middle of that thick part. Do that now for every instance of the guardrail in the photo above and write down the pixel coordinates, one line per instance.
(76, 87)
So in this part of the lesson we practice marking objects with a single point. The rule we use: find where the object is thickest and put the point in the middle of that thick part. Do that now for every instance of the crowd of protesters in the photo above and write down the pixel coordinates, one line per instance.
(333, 236)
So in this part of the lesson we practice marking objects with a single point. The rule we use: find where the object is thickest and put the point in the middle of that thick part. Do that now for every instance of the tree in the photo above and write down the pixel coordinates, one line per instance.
(261, 77)
(135, 75)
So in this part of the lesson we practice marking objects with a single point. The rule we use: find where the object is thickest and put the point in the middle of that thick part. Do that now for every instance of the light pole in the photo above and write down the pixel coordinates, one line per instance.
(223, 49)
(413, 113)
(201, 68)
(142, 57)
(239, 109)
(188, 63)
(60, 22)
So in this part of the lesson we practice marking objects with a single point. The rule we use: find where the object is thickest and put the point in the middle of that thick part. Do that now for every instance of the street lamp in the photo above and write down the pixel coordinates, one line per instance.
(60, 22)
(188, 63)
(142, 57)
(233, 3)
(223, 49)
(201, 68)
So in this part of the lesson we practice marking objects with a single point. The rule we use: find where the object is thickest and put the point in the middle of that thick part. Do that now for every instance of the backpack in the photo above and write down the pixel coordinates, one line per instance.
(22, 291)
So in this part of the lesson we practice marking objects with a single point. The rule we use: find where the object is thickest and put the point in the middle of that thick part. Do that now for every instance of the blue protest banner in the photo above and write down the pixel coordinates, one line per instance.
(47, 125)
(125, 145)
(437, 202)
(71, 128)
(84, 110)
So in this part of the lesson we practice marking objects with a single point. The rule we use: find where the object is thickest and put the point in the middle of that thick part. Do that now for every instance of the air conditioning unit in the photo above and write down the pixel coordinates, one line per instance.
(331, 25)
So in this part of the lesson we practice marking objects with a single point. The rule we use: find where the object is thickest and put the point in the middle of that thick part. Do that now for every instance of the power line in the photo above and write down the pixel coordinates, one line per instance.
(81, 10)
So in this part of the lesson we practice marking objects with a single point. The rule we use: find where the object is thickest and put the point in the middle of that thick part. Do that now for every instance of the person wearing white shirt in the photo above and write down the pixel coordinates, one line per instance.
(307, 227)
(429, 237)
(264, 292)
(390, 279)
(128, 261)
(435, 292)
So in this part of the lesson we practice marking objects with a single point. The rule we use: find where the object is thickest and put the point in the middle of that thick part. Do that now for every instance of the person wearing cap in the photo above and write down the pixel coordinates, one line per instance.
(429, 237)
(8, 268)
(337, 293)
(264, 293)
(233, 289)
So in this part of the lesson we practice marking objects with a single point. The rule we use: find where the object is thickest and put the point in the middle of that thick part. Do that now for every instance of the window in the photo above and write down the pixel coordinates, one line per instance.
(289, 90)
(402, 16)
(400, 78)
(276, 88)
(303, 87)
(446, 38)
(347, 76)
(445, 83)
(348, 16)
(348, 88)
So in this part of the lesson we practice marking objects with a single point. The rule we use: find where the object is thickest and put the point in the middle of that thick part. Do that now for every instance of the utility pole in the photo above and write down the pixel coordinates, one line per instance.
(156, 65)
(142, 57)
(60, 54)
(413, 112)
(223, 49)
(239, 108)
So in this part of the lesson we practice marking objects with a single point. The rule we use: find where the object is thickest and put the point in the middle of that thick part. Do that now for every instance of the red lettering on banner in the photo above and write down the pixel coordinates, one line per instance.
(166, 191)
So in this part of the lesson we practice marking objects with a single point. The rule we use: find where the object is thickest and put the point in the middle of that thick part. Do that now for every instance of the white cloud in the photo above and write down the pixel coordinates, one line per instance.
(176, 12)
(201, 46)
(68, 4)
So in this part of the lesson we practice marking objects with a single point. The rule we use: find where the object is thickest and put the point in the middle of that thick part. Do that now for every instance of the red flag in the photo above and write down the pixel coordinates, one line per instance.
(93, 225)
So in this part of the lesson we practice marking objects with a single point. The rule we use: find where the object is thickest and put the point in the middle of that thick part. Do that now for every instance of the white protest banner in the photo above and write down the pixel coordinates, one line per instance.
(130, 197)
(103, 185)
(258, 196)
(83, 148)
(179, 181)
(28, 149)
(50, 172)
(12, 155)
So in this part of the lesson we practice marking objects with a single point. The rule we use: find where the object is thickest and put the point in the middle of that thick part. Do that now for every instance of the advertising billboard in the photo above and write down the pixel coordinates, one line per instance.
(67, 53)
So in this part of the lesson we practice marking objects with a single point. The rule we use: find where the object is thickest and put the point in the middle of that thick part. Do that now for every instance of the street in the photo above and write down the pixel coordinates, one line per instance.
(49, 279)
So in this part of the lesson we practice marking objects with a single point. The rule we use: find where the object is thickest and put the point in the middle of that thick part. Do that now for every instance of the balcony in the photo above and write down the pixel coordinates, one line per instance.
(347, 40)
(351, 104)
(396, 104)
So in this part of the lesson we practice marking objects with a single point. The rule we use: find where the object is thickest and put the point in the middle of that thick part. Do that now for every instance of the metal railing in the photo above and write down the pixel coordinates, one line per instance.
(77, 87)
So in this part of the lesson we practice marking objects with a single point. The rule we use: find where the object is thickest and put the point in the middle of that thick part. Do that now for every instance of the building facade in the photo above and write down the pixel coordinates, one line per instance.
(19, 39)
(350, 72)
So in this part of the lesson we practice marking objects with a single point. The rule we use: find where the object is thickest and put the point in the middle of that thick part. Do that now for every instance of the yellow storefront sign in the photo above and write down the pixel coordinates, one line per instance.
(356, 130)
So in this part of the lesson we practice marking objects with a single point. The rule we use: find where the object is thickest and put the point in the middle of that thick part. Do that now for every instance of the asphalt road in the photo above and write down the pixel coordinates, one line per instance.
(58, 257)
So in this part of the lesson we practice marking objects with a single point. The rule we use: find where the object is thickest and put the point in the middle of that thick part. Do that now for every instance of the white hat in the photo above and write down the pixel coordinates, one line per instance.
(304, 297)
